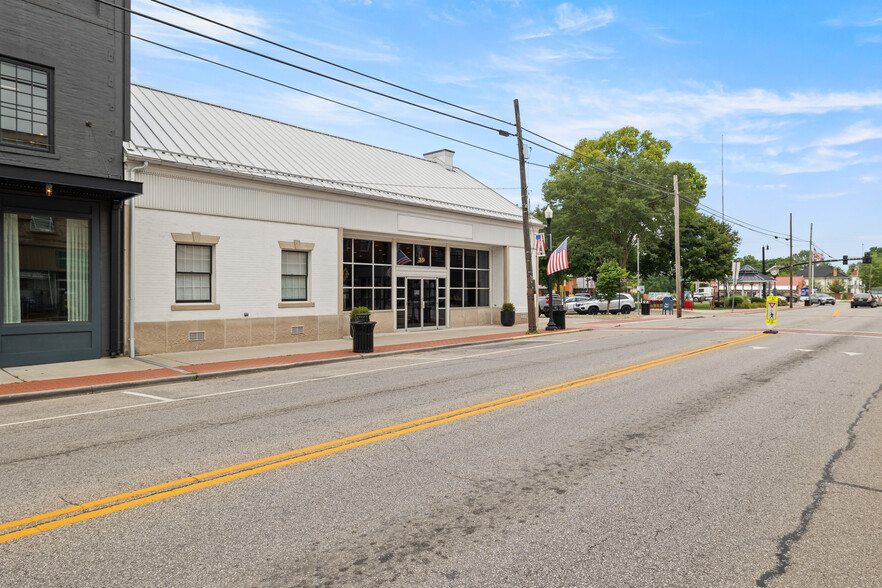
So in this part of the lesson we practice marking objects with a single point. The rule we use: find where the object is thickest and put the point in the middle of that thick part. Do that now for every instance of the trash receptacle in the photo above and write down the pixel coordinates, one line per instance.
(645, 306)
(559, 314)
(560, 318)
(362, 336)
(687, 305)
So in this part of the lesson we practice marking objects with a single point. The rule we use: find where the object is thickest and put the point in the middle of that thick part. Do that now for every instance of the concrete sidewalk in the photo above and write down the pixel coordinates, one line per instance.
(83, 377)
(94, 375)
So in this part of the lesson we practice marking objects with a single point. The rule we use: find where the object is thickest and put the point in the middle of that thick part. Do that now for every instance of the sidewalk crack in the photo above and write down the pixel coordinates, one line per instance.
(13, 375)
(786, 543)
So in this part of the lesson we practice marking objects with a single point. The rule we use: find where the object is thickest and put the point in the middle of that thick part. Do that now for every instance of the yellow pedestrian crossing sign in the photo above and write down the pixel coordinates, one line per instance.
(771, 310)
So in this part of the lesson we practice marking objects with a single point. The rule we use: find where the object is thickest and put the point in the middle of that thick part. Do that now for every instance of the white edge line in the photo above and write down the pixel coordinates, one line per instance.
(64, 416)
(149, 396)
(161, 400)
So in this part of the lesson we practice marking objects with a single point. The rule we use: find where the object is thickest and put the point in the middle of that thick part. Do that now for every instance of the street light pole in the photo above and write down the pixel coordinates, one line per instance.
(548, 214)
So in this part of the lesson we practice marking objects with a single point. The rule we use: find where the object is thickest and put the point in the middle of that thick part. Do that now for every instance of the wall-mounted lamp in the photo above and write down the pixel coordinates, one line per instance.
(48, 189)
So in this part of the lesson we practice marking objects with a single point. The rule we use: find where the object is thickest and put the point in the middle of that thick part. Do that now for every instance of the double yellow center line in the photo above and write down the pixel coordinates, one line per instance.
(104, 506)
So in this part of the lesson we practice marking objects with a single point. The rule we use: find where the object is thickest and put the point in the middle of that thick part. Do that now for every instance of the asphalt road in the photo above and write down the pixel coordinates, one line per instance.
(672, 453)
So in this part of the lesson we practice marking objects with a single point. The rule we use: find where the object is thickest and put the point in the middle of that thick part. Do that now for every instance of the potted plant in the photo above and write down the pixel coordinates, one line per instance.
(507, 315)
(362, 330)
(359, 314)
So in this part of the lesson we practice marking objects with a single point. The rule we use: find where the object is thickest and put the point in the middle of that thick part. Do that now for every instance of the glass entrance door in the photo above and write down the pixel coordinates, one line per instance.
(422, 304)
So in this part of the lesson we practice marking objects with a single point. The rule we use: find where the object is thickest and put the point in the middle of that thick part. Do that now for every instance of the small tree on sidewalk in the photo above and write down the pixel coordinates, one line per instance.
(609, 281)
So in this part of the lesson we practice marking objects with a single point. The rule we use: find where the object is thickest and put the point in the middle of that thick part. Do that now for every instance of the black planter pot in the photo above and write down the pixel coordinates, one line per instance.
(507, 317)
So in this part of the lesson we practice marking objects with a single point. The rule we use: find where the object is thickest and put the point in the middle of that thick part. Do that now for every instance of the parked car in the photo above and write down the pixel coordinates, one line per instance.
(623, 303)
(575, 299)
(821, 298)
(543, 303)
(863, 299)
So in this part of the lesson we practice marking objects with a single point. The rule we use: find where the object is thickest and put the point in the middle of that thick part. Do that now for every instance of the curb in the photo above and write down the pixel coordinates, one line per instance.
(14, 398)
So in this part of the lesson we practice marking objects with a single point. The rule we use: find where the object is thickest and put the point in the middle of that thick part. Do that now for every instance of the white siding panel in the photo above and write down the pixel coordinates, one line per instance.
(246, 266)
(221, 195)
(420, 225)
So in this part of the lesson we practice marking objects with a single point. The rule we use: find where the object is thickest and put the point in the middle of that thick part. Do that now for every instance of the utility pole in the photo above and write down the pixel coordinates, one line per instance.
(722, 180)
(811, 264)
(791, 261)
(525, 206)
(677, 248)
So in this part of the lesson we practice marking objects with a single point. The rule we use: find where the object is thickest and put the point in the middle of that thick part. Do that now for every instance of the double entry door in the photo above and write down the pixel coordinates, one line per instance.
(424, 304)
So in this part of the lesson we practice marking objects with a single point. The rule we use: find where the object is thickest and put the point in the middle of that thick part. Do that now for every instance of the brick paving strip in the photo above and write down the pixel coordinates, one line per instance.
(102, 382)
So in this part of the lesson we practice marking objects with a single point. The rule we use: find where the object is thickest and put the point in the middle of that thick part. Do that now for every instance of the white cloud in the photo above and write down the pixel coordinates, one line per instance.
(869, 179)
(869, 39)
(856, 133)
(574, 20)
(571, 20)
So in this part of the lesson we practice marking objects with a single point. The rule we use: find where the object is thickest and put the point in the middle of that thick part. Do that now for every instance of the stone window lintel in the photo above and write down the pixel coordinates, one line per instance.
(194, 239)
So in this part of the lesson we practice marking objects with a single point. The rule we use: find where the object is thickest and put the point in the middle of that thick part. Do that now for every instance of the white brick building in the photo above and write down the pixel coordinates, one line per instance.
(251, 231)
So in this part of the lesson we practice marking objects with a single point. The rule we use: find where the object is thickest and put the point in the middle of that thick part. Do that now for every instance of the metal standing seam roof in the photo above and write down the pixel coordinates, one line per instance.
(174, 129)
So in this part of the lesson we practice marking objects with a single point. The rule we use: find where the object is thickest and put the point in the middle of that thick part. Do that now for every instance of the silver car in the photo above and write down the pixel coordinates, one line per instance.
(623, 303)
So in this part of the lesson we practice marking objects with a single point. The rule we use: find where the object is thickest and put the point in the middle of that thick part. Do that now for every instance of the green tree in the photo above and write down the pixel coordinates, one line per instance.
(609, 280)
(837, 287)
(873, 269)
(751, 260)
(707, 248)
(604, 215)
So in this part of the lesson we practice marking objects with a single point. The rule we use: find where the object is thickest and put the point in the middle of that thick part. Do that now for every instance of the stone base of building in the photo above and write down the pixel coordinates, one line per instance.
(198, 335)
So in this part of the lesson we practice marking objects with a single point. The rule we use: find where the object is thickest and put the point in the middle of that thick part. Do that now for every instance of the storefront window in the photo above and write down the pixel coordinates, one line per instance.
(45, 268)
(469, 278)
(367, 274)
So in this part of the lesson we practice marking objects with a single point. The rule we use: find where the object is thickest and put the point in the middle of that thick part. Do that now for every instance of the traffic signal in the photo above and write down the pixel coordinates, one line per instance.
(867, 258)
(844, 260)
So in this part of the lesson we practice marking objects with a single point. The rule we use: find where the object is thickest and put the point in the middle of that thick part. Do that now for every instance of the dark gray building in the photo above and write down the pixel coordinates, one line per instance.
(64, 114)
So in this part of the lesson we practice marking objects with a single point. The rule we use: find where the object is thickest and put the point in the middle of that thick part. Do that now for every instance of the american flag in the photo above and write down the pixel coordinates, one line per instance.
(558, 260)
(403, 259)
(540, 244)
(818, 256)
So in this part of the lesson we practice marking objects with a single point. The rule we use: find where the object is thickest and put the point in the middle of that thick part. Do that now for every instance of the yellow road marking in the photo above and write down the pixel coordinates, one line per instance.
(165, 490)
(836, 312)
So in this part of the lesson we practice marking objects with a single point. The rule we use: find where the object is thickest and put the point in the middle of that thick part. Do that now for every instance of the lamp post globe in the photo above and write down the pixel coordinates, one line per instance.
(550, 326)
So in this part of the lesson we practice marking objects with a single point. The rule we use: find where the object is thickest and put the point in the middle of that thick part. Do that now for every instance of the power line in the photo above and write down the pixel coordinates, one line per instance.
(327, 62)
(593, 159)
(654, 189)
(271, 81)
(301, 68)
(257, 53)
(644, 183)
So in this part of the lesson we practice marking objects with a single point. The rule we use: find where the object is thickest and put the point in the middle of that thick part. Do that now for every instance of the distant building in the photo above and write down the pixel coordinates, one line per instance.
(824, 276)
(251, 231)
(750, 283)
(64, 108)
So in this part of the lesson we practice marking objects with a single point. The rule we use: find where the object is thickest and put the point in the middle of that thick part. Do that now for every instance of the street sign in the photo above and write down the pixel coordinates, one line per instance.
(641, 288)
(771, 310)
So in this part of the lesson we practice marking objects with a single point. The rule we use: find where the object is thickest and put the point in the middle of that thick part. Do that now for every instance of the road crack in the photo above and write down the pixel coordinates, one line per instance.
(787, 542)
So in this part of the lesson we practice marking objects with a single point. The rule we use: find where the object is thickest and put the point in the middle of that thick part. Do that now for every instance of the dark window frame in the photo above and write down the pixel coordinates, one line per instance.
(467, 271)
(50, 107)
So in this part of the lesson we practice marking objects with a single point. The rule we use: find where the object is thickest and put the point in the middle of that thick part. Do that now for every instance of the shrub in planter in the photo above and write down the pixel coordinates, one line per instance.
(507, 315)
(359, 314)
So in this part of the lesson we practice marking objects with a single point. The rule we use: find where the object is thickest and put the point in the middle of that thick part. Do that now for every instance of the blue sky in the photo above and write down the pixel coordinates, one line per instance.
(795, 89)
